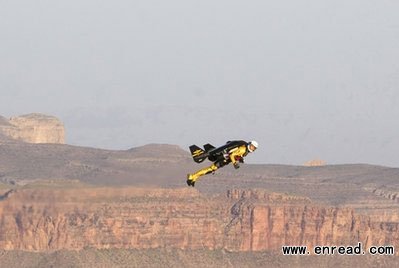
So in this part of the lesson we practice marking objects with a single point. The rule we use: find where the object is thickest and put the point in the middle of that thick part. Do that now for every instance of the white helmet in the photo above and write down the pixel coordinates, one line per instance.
(253, 143)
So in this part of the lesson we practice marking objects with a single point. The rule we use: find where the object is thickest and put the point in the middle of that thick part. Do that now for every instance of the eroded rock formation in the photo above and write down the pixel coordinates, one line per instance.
(243, 220)
(315, 163)
(33, 128)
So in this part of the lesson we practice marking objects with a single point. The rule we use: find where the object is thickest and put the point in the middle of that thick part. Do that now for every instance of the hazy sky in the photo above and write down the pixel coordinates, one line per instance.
(306, 79)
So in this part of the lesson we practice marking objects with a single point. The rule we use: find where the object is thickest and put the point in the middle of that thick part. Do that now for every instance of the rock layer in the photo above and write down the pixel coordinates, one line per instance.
(33, 128)
(243, 220)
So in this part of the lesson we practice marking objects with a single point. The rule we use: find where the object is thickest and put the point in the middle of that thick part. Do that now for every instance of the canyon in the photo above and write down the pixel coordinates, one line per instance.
(140, 218)
(56, 199)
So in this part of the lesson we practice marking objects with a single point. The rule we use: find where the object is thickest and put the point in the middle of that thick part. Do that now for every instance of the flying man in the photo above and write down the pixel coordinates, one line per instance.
(232, 152)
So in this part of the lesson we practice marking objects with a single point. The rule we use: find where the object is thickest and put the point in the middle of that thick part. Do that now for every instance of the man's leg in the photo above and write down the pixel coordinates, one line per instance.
(192, 178)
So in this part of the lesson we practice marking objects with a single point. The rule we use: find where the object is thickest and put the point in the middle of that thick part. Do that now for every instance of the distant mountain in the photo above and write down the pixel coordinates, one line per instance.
(163, 165)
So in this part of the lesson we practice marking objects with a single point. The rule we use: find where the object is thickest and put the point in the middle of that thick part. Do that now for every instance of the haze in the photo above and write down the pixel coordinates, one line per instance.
(306, 79)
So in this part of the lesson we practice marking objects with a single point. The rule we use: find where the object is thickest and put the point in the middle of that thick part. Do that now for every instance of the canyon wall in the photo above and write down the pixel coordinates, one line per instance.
(33, 128)
(242, 220)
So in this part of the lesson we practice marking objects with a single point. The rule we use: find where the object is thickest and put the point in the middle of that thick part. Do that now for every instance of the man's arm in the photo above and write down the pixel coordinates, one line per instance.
(237, 154)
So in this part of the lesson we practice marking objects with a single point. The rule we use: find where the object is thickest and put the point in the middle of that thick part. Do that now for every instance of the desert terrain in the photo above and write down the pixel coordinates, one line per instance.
(63, 205)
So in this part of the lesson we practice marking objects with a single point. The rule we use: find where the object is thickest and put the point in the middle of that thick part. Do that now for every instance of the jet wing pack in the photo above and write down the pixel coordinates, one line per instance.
(213, 153)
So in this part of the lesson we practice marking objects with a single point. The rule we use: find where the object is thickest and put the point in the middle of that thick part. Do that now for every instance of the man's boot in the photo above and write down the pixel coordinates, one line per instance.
(190, 181)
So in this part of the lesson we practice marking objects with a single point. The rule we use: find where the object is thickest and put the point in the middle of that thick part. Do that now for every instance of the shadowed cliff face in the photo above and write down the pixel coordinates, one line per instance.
(250, 220)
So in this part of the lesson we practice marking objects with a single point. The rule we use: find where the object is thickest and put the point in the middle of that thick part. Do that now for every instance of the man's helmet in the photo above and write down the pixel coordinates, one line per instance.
(252, 146)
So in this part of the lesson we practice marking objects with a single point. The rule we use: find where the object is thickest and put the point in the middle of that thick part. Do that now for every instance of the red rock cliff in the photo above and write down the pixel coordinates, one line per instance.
(41, 220)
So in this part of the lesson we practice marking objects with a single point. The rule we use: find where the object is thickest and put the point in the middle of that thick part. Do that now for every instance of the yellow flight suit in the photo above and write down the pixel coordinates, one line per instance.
(234, 155)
